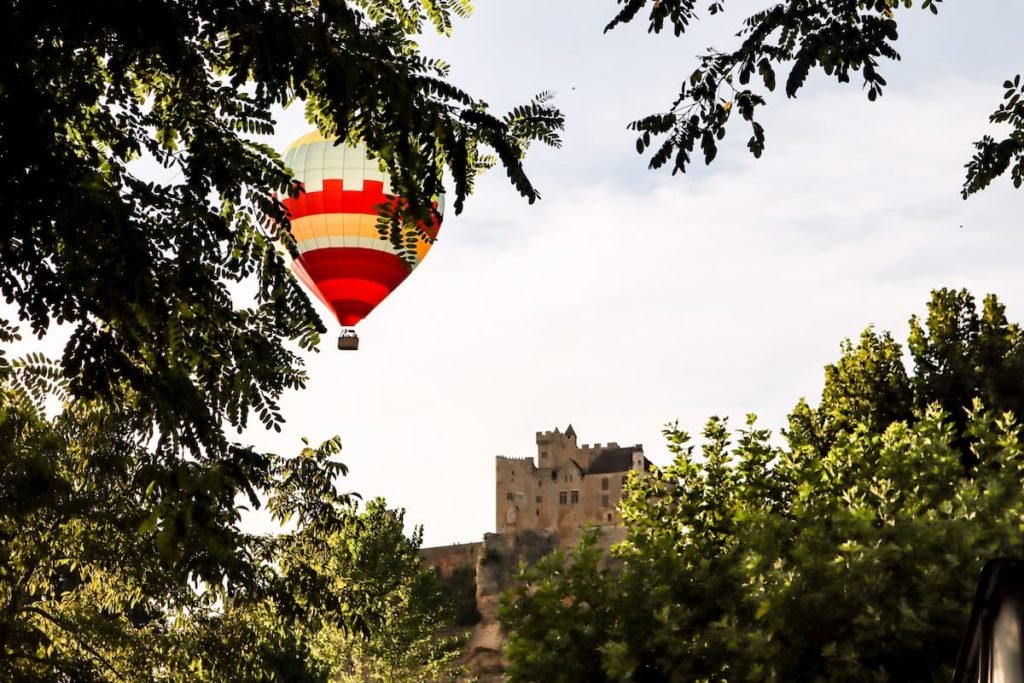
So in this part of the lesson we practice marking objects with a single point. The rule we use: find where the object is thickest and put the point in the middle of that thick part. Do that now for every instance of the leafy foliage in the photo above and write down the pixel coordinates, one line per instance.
(867, 388)
(145, 271)
(122, 554)
(396, 600)
(749, 563)
(848, 554)
(558, 617)
(839, 38)
(994, 158)
(98, 579)
(959, 354)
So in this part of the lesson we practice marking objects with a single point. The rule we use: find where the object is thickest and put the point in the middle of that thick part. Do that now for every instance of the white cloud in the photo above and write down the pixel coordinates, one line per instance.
(621, 307)
(625, 299)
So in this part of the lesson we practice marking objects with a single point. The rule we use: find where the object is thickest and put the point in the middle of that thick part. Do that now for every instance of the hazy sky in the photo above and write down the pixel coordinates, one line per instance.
(625, 298)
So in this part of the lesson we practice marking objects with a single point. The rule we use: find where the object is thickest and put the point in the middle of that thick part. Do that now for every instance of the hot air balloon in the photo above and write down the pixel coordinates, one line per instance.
(342, 258)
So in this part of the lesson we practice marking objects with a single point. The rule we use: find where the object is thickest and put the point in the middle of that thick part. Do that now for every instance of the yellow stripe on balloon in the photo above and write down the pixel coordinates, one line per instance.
(344, 230)
(374, 243)
(335, 225)
(421, 250)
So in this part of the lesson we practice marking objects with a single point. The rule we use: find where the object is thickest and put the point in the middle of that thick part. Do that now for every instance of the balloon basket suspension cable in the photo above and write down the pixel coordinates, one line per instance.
(348, 340)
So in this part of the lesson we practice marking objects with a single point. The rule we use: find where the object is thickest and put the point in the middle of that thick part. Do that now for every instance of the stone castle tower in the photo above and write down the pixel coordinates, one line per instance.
(541, 505)
(568, 488)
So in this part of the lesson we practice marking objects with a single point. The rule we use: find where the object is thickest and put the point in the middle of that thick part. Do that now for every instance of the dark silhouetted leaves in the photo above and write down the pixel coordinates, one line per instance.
(802, 36)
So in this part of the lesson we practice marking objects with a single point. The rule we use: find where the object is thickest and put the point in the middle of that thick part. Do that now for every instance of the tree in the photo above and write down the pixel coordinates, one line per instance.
(185, 322)
(797, 37)
(559, 616)
(749, 563)
(373, 564)
(867, 388)
(87, 591)
(179, 304)
(847, 554)
(98, 582)
(959, 354)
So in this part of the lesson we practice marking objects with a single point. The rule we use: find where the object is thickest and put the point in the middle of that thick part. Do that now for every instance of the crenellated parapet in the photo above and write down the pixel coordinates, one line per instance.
(567, 488)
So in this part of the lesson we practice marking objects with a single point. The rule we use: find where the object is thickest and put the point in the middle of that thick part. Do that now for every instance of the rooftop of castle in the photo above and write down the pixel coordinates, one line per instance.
(616, 460)
(609, 457)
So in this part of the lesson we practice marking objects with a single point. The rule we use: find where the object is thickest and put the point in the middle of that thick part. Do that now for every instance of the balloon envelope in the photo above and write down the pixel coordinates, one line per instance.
(342, 257)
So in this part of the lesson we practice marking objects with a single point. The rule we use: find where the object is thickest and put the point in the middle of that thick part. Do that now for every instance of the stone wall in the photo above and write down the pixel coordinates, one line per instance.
(447, 558)
(494, 563)
(568, 488)
(499, 558)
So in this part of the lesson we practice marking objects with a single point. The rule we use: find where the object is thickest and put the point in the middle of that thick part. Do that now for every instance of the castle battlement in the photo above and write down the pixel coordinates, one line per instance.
(569, 488)
(510, 459)
(548, 437)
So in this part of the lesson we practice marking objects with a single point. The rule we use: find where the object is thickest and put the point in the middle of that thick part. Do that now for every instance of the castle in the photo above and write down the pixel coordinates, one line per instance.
(540, 505)
(568, 488)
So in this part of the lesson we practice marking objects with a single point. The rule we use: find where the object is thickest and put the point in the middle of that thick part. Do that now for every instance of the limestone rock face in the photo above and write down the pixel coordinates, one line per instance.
(541, 504)
(500, 555)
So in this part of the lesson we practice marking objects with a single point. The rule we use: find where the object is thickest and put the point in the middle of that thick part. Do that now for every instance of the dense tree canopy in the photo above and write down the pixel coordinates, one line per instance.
(849, 554)
(958, 353)
(121, 551)
(96, 580)
(144, 271)
(376, 566)
(98, 583)
(87, 88)
(784, 43)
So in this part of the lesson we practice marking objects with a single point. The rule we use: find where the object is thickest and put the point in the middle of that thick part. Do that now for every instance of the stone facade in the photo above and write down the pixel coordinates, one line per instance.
(500, 556)
(445, 559)
(567, 488)
(541, 505)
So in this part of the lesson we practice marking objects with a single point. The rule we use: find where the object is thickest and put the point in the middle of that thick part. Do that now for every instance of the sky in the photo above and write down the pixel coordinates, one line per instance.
(625, 298)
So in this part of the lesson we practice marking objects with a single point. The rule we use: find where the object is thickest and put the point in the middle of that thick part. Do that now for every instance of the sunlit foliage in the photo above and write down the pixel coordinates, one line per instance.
(848, 553)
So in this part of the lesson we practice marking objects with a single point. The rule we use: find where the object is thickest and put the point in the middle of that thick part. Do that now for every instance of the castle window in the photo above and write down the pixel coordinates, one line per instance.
(563, 497)
(575, 496)
(604, 483)
(609, 516)
(543, 454)
(539, 499)
(554, 475)
(604, 501)
(508, 496)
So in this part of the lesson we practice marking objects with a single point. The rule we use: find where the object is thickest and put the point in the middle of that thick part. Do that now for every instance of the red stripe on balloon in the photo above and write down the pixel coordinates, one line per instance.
(345, 276)
(351, 288)
(304, 277)
(350, 311)
(335, 199)
(356, 263)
